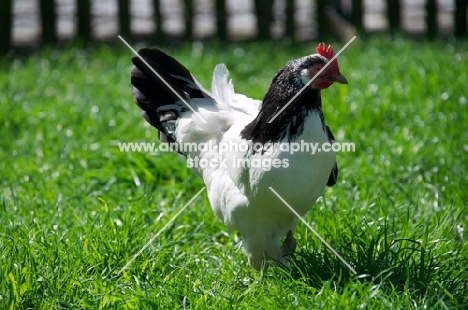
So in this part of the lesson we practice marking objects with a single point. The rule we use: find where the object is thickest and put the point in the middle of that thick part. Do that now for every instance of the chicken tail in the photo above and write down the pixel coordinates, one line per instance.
(160, 86)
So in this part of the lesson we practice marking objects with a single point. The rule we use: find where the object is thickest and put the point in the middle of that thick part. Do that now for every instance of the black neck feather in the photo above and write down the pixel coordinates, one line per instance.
(290, 123)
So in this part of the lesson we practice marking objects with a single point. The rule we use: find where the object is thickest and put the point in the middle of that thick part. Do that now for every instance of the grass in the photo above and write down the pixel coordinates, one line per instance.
(74, 210)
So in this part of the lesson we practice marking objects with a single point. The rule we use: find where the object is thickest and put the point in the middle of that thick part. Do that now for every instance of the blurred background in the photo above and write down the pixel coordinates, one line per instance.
(29, 24)
(75, 208)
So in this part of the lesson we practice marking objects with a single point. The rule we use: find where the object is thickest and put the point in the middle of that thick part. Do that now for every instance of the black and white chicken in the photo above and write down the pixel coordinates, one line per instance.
(237, 172)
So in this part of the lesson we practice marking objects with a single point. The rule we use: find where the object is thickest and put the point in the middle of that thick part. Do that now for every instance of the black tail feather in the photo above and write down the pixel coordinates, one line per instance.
(160, 96)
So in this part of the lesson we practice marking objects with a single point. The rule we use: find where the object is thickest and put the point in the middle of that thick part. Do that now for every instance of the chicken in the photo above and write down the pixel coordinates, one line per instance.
(241, 147)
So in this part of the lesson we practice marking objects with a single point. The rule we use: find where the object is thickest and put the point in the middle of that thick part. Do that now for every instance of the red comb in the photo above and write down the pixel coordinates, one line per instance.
(328, 53)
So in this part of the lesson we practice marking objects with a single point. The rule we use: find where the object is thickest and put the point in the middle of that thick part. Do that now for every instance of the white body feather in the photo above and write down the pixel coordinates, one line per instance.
(240, 195)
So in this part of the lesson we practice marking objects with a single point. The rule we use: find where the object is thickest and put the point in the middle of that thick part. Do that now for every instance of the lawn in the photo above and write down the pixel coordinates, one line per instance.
(75, 209)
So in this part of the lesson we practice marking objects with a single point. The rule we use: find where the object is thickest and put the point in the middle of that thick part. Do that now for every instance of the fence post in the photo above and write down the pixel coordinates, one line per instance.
(338, 7)
(188, 14)
(6, 14)
(124, 19)
(393, 14)
(356, 16)
(460, 17)
(431, 18)
(323, 25)
(159, 36)
(221, 20)
(263, 11)
(290, 19)
(48, 21)
(84, 20)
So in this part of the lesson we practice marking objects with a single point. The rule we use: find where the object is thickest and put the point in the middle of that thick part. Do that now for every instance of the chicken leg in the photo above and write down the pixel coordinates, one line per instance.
(289, 245)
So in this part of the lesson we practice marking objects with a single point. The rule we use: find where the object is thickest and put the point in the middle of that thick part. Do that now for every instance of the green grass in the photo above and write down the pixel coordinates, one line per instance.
(74, 210)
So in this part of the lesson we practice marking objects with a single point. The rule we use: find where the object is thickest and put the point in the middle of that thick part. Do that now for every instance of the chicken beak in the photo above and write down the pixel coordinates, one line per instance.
(339, 78)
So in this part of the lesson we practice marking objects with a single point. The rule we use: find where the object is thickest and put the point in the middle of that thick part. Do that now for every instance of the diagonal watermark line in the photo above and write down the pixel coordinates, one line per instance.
(160, 231)
(316, 233)
(160, 78)
(311, 80)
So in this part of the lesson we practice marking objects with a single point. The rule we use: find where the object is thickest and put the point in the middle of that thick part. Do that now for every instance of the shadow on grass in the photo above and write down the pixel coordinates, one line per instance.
(395, 265)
